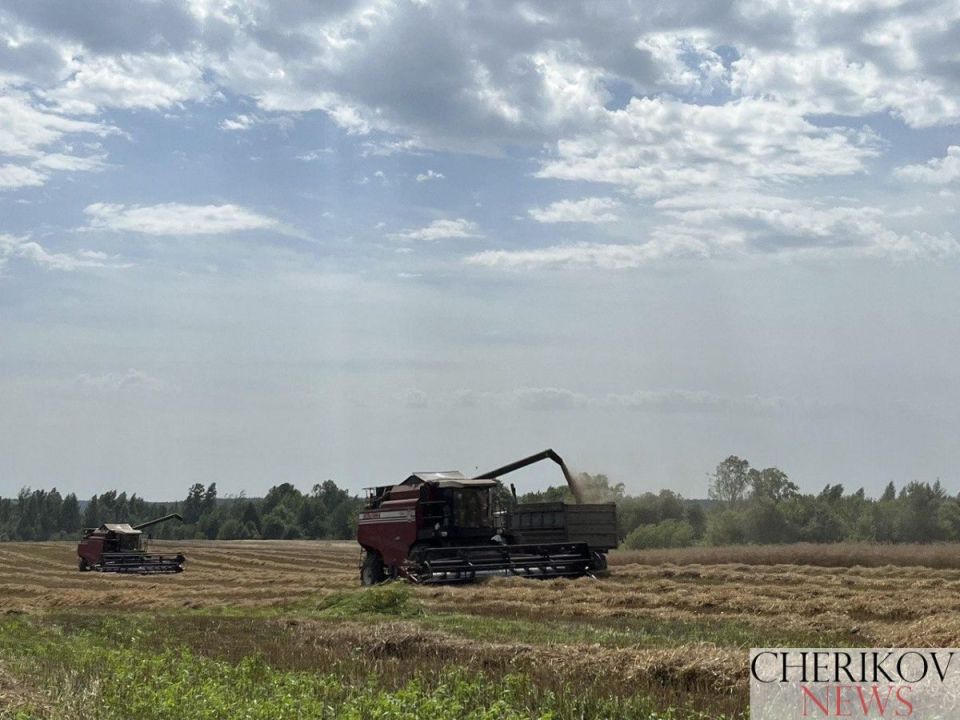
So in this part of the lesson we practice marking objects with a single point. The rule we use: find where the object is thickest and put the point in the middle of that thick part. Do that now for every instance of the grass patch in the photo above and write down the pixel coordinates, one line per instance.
(83, 671)
(393, 599)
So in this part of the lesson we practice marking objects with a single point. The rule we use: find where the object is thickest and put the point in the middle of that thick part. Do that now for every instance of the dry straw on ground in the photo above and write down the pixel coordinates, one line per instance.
(712, 600)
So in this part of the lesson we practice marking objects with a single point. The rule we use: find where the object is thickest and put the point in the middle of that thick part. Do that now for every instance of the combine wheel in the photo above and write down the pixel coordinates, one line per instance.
(84, 565)
(371, 570)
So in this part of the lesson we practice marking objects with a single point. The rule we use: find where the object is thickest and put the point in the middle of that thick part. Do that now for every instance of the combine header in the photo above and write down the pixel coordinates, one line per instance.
(119, 547)
(445, 527)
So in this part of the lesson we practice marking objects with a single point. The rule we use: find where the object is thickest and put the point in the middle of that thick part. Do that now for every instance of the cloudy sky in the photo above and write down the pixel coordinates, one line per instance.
(251, 242)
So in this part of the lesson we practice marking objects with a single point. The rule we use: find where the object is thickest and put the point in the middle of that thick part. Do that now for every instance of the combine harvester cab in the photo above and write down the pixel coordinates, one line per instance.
(444, 527)
(119, 547)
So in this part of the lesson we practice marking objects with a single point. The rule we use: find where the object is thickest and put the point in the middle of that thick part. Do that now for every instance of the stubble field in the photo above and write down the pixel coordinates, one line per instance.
(281, 629)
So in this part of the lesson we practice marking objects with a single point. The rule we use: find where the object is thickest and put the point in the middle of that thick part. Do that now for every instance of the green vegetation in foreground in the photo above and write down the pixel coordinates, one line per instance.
(394, 599)
(80, 667)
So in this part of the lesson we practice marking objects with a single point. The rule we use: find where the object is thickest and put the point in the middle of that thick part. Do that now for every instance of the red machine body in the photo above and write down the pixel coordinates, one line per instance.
(445, 527)
(119, 547)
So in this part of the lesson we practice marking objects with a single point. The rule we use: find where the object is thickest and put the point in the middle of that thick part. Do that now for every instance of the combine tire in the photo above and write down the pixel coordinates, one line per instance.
(371, 570)
(84, 565)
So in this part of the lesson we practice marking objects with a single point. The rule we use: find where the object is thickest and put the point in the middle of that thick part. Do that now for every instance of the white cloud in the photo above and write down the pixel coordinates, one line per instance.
(586, 210)
(656, 401)
(691, 401)
(548, 398)
(569, 87)
(726, 225)
(828, 80)
(659, 147)
(938, 171)
(430, 175)
(177, 219)
(441, 230)
(239, 122)
(31, 251)
(129, 81)
(451, 75)
(386, 148)
(730, 225)
(34, 135)
(600, 255)
(365, 64)
(857, 58)
(244, 121)
(314, 154)
(131, 380)
(16, 176)
(71, 163)
(662, 105)
(686, 61)
(26, 130)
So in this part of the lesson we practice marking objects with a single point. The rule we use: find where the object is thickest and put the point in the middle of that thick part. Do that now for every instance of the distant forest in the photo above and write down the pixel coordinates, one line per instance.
(327, 512)
(746, 506)
(752, 506)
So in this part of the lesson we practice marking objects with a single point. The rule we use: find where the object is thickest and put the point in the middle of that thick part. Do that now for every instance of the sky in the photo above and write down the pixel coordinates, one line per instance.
(252, 242)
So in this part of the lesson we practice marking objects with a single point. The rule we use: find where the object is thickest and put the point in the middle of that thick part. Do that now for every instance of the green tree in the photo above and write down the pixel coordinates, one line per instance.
(764, 522)
(29, 515)
(193, 505)
(917, 518)
(70, 519)
(276, 523)
(949, 519)
(771, 483)
(698, 520)
(91, 514)
(730, 480)
(666, 534)
(726, 527)
(669, 506)
(632, 512)
(209, 502)
(557, 493)
(251, 516)
(831, 494)
(284, 494)
(825, 526)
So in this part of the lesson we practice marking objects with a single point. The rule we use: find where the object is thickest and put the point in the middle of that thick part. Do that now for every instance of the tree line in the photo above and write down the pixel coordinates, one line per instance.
(326, 512)
(748, 505)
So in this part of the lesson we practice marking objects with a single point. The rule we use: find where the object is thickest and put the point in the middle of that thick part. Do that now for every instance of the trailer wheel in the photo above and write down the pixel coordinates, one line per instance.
(371, 570)
(84, 565)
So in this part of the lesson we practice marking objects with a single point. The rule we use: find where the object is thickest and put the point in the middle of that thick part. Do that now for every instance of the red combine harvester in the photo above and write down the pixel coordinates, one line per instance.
(445, 527)
(119, 547)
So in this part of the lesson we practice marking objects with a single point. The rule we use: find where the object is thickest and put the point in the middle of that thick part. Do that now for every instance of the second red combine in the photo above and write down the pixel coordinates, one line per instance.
(445, 527)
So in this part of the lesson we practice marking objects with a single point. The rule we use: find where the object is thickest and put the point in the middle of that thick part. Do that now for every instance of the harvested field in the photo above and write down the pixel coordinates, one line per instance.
(219, 574)
(939, 555)
(672, 627)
